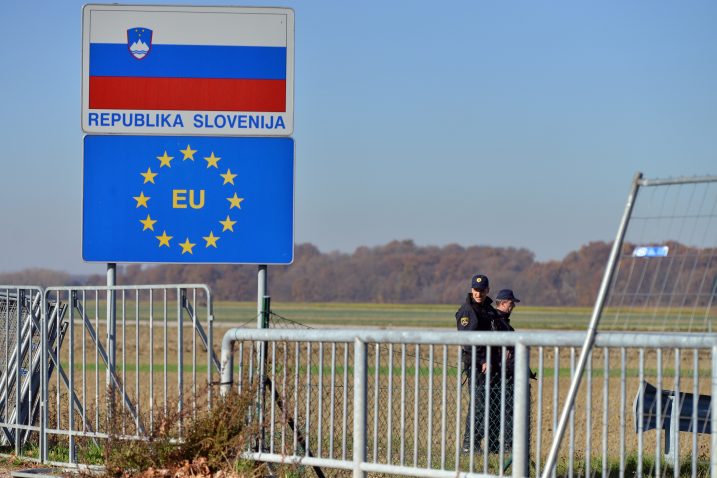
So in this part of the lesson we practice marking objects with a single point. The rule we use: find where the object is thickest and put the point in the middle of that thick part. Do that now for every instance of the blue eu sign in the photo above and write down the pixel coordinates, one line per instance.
(187, 199)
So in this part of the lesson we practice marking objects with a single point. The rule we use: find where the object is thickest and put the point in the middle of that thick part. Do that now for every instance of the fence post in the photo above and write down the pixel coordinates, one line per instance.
(713, 417)
(227, 363)
(111, 336)
(20, 317)
(43, 376)
(673, 430)
(521, 412)
(262, 364)
(360, 397)
(180, 358)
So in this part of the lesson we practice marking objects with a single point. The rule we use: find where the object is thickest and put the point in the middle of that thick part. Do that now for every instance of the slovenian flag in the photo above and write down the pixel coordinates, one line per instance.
(187, 61)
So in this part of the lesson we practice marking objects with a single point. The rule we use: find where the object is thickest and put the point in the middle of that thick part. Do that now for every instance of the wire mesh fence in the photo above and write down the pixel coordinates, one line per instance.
(419, 404)
(666, 274)
(661, 275)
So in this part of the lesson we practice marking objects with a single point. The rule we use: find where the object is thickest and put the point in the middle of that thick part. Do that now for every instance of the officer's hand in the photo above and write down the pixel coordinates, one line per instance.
(484, 367)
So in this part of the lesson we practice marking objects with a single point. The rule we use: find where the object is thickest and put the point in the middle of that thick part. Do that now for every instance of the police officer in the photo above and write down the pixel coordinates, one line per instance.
(477, 314)
(505, 302)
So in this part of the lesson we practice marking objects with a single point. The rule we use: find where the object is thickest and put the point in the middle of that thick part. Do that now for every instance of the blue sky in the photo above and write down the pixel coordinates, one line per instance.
(478, 122)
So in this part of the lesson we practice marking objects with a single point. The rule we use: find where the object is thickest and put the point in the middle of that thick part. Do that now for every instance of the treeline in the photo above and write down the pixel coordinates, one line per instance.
(402, 272)
(398, 272)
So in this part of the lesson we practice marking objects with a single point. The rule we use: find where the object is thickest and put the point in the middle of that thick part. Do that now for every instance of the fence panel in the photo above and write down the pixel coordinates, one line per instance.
(664, 280)
(347, 401)
(666, 273)
(21, 366)
(130, 372)
(419, 401)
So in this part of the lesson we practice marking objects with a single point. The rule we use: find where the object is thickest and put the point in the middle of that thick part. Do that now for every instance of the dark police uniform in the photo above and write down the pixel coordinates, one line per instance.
(472, 316)
(504, 326)
(478, 317)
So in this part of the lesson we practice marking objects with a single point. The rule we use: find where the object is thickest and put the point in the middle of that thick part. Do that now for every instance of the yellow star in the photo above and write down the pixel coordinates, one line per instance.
(187, 246)
(235, 201)
(148, 176)
(148, 223)
(165, 159)
(188, 154)
(212, 161)
(164, 239)
(142, 199)
(211, 239)
(228, 177)
(228, 224)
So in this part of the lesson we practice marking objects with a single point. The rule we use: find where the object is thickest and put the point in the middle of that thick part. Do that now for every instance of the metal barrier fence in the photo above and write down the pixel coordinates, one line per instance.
(341, 401)
(117, 360)
(666, 280)
(393, 402)
(21, 360)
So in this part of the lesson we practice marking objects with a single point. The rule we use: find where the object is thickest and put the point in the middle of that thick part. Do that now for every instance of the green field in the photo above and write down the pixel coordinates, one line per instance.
(426, 316)
(396, 315)
(442, 316)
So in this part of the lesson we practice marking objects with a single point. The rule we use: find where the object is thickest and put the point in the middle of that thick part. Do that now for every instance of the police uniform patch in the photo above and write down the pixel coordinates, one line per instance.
(464, 321)
(478, 279)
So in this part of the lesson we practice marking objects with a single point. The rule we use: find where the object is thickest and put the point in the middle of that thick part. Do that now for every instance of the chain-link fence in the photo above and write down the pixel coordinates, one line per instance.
(418, 402)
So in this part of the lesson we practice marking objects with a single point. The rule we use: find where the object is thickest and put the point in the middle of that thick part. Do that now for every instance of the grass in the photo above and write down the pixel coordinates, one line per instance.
(548, 372)
(631, 464)
(442, 316)
(430, 316)
(374, 315)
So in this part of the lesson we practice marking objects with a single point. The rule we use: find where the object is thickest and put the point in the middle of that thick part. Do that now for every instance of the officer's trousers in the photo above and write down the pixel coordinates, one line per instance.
(494, 415)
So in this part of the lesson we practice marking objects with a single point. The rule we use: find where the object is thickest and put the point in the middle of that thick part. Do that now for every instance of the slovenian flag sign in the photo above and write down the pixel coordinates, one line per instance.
(187, 70)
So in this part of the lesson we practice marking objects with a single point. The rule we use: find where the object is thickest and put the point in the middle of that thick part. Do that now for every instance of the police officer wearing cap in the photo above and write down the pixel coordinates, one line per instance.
(477, 314)
(505, 302)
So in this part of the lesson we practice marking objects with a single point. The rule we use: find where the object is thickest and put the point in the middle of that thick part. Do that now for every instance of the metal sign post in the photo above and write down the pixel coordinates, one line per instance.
(111, 333)
(262, 292)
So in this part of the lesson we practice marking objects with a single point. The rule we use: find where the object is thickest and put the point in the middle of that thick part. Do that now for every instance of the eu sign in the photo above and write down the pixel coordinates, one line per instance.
(188, 199)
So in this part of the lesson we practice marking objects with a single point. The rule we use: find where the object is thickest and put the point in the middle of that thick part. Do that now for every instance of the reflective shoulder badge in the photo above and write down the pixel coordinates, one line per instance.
(464, 321)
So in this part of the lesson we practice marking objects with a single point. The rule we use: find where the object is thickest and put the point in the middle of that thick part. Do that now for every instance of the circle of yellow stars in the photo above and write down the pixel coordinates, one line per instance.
(148, 223)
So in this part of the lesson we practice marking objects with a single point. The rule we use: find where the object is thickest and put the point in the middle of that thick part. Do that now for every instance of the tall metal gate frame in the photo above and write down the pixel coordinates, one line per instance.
(638, 182)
